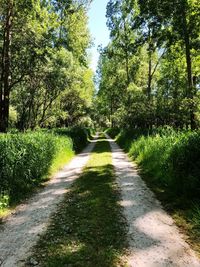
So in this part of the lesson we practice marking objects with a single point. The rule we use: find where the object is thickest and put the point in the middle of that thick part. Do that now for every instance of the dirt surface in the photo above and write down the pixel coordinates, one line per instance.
(22, 229)
(153, 238)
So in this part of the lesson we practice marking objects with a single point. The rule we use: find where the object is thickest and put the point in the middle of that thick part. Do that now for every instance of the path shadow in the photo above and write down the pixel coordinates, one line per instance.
(89, 228)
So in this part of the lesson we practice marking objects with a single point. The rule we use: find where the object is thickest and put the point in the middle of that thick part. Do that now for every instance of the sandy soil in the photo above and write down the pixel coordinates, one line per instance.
(21, 231)
(153, 238)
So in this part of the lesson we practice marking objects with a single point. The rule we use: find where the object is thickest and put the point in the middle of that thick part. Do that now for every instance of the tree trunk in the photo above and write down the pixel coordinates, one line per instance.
(5, 77)
(190, 93)
(150, 65)
(149, 76)
(126, 54)
(111, 112)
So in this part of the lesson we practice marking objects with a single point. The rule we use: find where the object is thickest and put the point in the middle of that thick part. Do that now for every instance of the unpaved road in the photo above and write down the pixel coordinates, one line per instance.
(153, 238)
(21, 231)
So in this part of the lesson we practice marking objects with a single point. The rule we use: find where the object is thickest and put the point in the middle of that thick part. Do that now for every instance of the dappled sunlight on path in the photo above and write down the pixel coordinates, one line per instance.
(153, 238)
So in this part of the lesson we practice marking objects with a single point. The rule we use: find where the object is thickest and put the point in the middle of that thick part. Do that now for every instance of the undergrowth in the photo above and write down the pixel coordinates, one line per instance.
(29, 159)
(78, 135)
(169, 162)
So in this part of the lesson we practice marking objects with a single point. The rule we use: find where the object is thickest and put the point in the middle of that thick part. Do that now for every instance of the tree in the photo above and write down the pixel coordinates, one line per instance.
(147, 43)
(42, 58)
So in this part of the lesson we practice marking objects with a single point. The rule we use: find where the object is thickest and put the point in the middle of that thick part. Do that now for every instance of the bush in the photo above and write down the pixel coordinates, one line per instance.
(126, 136)
(184, 161)
(27, 159)
(78, 135)
(167, 157)
(112, 132)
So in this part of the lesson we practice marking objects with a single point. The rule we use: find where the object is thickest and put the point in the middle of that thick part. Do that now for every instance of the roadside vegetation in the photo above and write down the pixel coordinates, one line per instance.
(88, 229)
(149, 90)
(27, 160)
(146, 88)
(46, 85)
(169, 163)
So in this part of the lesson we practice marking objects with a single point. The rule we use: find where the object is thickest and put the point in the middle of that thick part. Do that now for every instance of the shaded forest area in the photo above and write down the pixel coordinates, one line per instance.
(149, 74)
(45, 83)
(149, 86)
(45, 80)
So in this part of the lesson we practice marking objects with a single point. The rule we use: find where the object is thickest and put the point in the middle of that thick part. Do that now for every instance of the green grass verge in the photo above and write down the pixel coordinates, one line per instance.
(88, 229)
(185, 213)
(169, 164)
(26, 162)
(59, 162)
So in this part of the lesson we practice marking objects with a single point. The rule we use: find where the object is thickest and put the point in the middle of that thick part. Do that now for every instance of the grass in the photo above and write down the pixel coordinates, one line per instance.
(186, 213)
(7, 208)
(88, 229)
(63, 157)
(169, 164)
(26, 162)
(188, 221)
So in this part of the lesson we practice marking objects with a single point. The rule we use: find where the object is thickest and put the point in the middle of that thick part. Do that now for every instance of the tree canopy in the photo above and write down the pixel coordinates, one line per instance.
(149, 74)
(43, 50)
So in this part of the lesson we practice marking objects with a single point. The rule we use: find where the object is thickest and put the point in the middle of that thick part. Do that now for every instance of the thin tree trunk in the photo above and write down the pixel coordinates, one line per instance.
(5, 89)
(150, 66)
(126, 55)
(1, 81)
(190, 93)
(149, 76)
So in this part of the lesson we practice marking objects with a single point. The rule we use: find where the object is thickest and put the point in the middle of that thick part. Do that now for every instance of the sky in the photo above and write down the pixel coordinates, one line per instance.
(98, 28)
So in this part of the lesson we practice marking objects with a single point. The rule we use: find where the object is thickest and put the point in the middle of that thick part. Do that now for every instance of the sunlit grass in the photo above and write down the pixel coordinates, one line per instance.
(88, 228)
(27, 161)
(169, 163)
(62, 159)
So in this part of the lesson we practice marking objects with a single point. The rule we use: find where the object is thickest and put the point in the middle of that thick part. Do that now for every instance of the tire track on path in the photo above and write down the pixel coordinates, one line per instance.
(22, 229)
(154, 240)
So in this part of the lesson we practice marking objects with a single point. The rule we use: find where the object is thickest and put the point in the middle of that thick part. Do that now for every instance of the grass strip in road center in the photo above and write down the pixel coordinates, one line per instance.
(88, 229)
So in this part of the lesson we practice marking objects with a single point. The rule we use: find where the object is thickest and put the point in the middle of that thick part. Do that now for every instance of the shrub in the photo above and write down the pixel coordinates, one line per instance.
(112, 132)
(184, 161)
(26, 160)
(126, 137)
(169, 158)
(78, 135)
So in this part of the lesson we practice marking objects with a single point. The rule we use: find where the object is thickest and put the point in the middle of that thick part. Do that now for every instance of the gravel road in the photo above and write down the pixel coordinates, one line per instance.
(21, 231)
(153, 238)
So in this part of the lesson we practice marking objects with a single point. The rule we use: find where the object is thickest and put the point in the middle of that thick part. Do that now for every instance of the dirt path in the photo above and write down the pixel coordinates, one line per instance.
(21, 230)
(154, 239)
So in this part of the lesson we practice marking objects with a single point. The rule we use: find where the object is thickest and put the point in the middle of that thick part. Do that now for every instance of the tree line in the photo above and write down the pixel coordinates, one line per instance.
(149, 74)
(45, 79)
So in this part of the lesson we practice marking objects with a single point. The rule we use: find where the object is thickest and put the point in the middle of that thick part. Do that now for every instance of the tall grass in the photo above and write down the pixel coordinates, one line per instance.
(167, 157)
(78, 135)
(27, 160)
(169, 162)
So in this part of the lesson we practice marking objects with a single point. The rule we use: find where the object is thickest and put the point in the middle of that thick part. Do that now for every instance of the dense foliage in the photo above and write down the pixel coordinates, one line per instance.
(149, 74)
(78, 135)
(170, 159)
(26, 160)
(45, 79)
